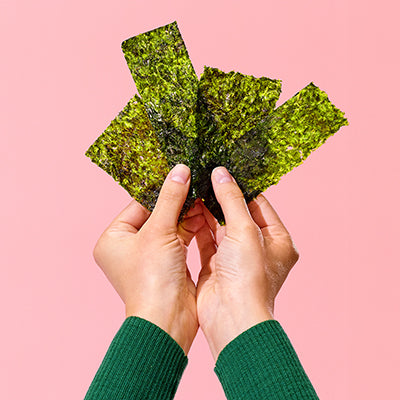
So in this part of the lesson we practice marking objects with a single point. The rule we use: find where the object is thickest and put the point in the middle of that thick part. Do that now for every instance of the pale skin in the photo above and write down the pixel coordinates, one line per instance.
(244, 263)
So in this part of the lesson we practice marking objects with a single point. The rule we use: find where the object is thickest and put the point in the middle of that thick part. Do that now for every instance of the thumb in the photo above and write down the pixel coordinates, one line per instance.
(171, 198)
(231, 199)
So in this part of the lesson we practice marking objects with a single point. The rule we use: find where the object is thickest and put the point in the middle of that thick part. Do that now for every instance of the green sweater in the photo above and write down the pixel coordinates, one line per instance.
(145, 362)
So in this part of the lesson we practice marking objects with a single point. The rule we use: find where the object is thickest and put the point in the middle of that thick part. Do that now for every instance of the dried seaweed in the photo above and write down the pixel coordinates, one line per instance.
(166, 80)
(129, 151)
(285, 139)
(236, 101)
(223, 119)
(230, 104)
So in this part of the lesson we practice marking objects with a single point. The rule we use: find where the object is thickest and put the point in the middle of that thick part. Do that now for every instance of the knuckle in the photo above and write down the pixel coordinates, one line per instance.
(249, 230)
(249, 227)
(169, 195)
(296, 254)
(233, 193)
(293, 254)
(295, 251)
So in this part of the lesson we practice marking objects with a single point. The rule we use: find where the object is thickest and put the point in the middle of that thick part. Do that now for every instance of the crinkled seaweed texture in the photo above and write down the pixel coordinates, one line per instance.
(230, 104)
(129, 151)
(222, 119)
(292, 132)
(284, 139)
(166, 80)
(236, 101)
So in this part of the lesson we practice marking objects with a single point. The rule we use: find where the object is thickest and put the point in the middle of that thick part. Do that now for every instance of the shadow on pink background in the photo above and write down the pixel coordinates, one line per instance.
(64, 78)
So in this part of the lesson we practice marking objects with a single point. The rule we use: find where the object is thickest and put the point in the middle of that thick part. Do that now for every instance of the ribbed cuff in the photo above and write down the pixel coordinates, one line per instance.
(142, 362)
(261, 363)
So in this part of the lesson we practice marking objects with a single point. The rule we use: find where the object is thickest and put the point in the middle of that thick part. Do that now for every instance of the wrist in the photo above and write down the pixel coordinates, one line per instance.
(178, 325)
(230, 325)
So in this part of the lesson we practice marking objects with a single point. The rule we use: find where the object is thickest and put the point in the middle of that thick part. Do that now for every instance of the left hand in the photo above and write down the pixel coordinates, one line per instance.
(144, 257)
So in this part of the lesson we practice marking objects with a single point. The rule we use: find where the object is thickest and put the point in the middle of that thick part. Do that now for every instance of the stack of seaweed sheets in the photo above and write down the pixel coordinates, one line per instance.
(224, 119)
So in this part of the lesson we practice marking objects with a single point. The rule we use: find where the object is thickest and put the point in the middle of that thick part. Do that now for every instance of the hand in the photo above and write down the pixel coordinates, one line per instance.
(144, 257)
(244, 263)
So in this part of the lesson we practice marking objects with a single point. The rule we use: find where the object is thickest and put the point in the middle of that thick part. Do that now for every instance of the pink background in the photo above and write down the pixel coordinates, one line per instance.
(64, 78)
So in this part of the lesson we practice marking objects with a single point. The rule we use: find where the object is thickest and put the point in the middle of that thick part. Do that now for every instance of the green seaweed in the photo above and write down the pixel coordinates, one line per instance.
(166, 80)
(236, 101)
(285, 139)
(223, 119)
(129, 151)
(230, 104)
(257, 144)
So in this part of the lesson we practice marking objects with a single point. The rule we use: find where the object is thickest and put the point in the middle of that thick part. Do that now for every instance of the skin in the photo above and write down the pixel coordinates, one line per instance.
(144, 257)
(244, 263)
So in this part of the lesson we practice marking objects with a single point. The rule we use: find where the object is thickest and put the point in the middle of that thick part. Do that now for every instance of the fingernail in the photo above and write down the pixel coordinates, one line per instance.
(180, 173)
(222, 175)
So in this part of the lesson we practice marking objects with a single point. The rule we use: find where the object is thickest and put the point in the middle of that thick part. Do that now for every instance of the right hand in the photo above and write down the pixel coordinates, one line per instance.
(244, 263)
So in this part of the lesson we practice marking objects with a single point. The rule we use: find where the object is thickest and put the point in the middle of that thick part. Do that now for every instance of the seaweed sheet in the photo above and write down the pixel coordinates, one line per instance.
(284, 139)
(129, 151)
(223, 119)
(166, 80)
(229, 105)
(295, 129)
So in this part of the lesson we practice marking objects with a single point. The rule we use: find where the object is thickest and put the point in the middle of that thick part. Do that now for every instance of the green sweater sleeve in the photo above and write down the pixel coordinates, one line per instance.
(142, 362)
(261, 363)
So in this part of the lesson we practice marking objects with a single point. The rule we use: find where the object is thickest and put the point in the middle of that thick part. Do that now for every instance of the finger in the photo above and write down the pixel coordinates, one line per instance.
(195, 210)
(263, 213)
(211, 220)
(217, 230)
(171, 198)
(188, 228)
(206, 244)
(131, 218)
(231, 199)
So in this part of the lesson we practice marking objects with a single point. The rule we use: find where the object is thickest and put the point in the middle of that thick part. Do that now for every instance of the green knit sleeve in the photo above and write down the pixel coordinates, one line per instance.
(142, 362)
(261, 363)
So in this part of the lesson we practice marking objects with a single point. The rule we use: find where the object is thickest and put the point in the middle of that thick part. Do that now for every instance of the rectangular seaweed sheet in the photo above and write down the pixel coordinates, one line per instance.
(166, 81)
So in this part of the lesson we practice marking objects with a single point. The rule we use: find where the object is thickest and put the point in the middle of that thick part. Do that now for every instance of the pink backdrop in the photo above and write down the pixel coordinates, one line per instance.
(64, 78)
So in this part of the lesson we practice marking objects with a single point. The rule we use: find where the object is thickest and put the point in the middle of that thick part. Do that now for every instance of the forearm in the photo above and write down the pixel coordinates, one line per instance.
(260, 364)
(142, 362)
